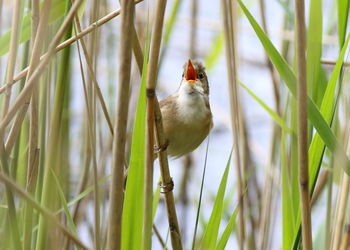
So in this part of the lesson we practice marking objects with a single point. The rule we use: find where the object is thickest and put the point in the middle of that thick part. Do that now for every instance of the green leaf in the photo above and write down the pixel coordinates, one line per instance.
(288, 217)
(228, 230)
(343, 13)
(314, 114)
(215, 51)
(317, 146)
(314, 47)
(58, 8)
(212, 229)
(273, 114)
(132, 220)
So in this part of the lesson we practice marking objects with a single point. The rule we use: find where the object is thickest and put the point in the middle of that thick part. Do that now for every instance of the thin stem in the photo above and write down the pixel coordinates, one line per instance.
(163, 162)
(119, 136)
(150, 94)
(229, 28)
(166, 179)
(302, 126)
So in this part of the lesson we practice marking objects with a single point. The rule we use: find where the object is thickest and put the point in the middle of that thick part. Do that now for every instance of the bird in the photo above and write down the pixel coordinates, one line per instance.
(186, 114)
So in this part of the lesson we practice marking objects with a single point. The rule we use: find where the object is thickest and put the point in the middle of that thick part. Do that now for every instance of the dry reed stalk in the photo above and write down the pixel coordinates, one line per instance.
(342, 203)
(340, 212)
(91, 131)
(231, 57)
(193, 28)
(345, 243)
(160, 239)
(166, 181)
(33, 152)
(163, 162)
(268, 186)
(68, 42)
(42, 210)
(12, 55)
(26, 92)
(118, 156)
(151, 84)
(87, 158)
(320, 185)
(302, 125)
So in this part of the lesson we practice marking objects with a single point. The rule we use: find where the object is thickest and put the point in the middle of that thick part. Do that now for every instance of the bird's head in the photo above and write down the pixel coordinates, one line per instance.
(194, 79)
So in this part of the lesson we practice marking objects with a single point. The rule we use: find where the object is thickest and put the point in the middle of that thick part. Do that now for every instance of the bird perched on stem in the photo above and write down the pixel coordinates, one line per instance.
(186, 114)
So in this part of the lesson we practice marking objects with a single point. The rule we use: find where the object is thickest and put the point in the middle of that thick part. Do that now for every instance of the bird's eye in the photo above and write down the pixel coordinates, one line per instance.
(183, 74)
(201, 75)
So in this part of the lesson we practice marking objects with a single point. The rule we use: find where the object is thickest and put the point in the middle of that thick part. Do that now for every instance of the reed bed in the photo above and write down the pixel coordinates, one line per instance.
(80, 125)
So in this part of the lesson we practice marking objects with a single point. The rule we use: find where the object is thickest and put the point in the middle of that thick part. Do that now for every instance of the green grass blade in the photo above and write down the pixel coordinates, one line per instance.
(343, 13)
(327, 109)
(212, 229)
(132, 219)
(273, 114)
(314, 114)
(288, 228)
(58, 8)
(228, 230)
(215, 51)
(314, 47)
(64, 203)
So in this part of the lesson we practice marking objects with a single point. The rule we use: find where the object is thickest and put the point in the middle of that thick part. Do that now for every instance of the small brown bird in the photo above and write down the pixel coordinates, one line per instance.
(187, 117)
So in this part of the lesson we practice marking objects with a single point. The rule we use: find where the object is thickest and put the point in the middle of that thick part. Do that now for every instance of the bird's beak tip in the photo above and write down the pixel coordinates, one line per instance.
(191, 74)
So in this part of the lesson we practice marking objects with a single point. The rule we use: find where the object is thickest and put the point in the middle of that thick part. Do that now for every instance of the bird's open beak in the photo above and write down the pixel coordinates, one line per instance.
(191, 74)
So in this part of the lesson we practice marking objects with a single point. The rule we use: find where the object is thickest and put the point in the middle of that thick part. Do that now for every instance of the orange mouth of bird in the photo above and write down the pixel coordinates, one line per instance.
(191, 74)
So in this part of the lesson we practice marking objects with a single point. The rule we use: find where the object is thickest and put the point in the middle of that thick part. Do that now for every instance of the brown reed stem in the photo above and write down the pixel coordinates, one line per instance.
(167, 180)
(229, 29)
(150, 94)
(268, 186)
(163, 162)
(12, 55)
(119, 137)
(345, 243)
(302, 125)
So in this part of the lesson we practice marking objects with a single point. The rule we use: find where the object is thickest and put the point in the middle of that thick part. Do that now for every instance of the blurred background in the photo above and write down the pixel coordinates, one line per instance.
(193, 29)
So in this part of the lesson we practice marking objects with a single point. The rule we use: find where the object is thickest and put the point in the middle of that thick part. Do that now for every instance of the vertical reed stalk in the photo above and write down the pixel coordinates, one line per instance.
(118, 156)
(231, 60)
(150, 94)
(167, 180)
(50, 161)
(345, 243)
(341, 211)
(163, 161)
(91, 114)
(302, 125)
(33, 153)
(12, 55)
(268, 188)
